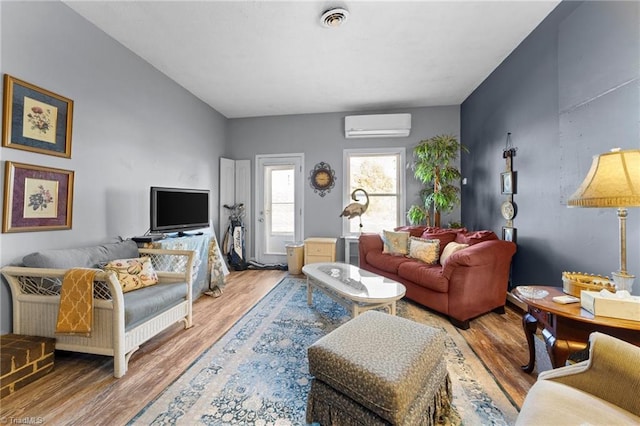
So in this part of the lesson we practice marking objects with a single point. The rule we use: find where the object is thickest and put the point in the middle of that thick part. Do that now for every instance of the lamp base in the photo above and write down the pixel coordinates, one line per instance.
(623, 281)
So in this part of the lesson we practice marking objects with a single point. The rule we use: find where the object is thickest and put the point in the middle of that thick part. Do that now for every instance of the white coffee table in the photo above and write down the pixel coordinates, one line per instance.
(356, 289)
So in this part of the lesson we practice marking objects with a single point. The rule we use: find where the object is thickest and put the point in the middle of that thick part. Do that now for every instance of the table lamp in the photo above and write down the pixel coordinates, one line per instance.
(613, 182)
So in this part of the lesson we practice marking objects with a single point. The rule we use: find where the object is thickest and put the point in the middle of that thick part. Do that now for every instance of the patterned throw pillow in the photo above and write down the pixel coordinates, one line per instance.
(396, 243)
(424, 250)
(449, 250)
(133, 273)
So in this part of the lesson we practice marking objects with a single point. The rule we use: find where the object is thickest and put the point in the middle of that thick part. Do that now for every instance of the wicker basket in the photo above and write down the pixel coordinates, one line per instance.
(574, 282)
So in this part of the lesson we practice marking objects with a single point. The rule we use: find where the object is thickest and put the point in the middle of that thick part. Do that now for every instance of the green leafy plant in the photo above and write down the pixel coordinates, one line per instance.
(418, 215)
(433, 167)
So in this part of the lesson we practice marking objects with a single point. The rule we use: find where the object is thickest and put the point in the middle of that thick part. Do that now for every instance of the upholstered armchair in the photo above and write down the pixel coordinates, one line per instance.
(603, 390)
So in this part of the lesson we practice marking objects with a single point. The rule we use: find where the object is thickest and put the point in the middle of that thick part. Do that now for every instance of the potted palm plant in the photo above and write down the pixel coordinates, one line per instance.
(432, 166)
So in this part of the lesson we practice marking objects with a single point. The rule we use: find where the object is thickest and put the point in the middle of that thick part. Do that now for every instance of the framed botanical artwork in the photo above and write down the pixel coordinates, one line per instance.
(35, 119)
(509, 234)
(36, 198)
(508, 183)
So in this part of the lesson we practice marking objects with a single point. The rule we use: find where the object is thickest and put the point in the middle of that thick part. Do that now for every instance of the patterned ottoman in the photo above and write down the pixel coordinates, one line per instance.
(379, 369)
(23, 359)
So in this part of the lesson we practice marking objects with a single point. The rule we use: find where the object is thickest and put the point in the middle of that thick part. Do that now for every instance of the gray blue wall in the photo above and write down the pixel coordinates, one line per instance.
(321, 138)
(132, 128)
(570, 91)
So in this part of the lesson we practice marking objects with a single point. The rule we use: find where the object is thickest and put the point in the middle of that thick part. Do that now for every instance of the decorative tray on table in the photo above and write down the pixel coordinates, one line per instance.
(574, 282)
(532, 292)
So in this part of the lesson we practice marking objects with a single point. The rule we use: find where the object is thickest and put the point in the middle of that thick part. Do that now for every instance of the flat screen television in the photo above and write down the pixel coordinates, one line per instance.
(178, 209)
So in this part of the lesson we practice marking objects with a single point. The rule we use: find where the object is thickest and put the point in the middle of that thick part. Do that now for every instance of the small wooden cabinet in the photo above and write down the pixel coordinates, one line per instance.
(319, 250)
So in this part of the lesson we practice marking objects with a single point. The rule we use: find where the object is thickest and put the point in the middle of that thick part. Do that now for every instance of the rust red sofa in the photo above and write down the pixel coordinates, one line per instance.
(472, 282)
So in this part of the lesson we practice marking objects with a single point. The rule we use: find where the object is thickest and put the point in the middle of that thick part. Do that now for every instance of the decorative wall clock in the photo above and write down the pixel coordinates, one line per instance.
(322, 178)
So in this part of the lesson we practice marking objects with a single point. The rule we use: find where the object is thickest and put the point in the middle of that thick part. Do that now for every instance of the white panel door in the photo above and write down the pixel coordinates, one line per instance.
(279, 189)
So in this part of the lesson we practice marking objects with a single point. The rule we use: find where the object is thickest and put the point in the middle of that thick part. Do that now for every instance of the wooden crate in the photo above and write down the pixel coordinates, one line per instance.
(23, 359)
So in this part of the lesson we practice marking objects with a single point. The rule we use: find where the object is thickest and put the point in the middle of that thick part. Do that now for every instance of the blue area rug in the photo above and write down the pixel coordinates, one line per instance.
(257, 373)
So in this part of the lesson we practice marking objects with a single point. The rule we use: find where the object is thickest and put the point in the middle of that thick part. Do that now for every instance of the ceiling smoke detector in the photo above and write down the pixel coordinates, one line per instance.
(333, 18)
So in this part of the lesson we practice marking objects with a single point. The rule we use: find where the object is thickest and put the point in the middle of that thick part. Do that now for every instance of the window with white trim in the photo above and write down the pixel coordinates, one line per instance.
(381, 173)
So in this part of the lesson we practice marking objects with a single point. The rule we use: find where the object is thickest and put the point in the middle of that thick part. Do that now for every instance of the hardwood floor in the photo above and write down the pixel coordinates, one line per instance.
(82, 390)
(500, 342)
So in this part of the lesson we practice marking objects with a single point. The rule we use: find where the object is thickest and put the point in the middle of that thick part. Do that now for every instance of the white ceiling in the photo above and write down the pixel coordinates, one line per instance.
(261, 58)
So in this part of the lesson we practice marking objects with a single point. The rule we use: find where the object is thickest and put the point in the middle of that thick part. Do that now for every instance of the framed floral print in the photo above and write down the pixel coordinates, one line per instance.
(35, 119)
(36, 198)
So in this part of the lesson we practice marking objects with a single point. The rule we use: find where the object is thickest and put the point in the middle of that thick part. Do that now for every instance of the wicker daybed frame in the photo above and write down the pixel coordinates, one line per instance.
(36, 297)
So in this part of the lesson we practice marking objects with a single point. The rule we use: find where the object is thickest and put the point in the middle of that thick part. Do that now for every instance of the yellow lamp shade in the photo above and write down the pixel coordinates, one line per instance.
(613, 181)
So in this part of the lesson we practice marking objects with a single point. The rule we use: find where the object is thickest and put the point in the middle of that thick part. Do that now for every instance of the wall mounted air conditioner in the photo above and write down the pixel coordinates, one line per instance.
(377, 126)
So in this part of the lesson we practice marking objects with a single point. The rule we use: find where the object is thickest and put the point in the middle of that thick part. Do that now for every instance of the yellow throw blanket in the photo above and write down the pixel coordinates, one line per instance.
(75, 313)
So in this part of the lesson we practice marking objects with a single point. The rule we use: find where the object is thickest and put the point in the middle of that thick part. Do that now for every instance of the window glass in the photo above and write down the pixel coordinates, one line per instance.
(381, 174)
(282, 201)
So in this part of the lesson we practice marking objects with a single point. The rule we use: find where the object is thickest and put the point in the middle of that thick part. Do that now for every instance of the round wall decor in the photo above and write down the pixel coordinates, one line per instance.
(322, 178)
(508, 210)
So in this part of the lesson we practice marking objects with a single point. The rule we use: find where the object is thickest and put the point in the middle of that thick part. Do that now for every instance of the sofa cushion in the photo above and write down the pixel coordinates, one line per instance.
(413, 230)
(428, 251)
(427, 276)
(475, 237)
(395, 243)
(133, 274)
(451, 248)
(85, 257)
(445, 236)
(150, 301)
(566, 405)
(386, 262)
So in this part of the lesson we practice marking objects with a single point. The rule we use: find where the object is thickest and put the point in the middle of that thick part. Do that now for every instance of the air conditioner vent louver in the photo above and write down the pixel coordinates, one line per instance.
(377, 126)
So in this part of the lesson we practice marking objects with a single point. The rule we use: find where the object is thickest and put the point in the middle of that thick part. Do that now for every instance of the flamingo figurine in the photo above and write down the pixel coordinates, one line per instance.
(356, 209)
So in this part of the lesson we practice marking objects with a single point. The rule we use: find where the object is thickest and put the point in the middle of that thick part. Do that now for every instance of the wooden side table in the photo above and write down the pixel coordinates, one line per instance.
(319, 250)
(566, 328)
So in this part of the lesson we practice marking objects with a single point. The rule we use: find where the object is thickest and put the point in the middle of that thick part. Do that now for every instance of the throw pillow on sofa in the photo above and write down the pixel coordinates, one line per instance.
(445, 235)
(425, 250)
(475, 237)
(133, 273)
(83, 257)
(451, 248)
(395, 243)
(413, 230)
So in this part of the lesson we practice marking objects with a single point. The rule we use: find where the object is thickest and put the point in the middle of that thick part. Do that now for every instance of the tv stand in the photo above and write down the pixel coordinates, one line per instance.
(149, 238)
(186, 234)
